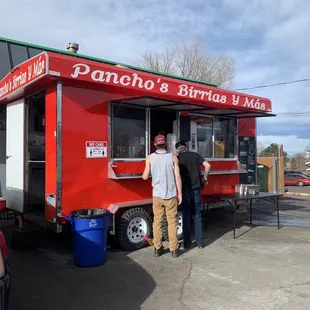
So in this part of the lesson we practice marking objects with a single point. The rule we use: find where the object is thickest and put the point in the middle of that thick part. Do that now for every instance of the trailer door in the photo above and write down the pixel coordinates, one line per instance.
(15, 145)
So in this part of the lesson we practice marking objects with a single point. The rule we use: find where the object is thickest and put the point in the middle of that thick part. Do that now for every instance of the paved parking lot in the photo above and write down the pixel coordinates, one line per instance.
(264, 268)
(298, 189)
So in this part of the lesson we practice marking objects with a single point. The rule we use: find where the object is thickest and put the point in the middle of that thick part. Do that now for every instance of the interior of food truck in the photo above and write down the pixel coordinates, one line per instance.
(35, 154)
(162, 122)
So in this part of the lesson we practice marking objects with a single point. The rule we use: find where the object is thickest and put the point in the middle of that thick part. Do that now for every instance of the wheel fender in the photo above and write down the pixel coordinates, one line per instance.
(117, 209)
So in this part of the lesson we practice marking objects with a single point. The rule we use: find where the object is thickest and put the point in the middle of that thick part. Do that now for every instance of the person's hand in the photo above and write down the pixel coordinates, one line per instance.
(205, 181)
(180, 198)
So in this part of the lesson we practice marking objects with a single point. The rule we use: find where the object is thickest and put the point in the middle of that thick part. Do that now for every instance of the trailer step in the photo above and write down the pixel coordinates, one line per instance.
(37, 217)
(26, 238)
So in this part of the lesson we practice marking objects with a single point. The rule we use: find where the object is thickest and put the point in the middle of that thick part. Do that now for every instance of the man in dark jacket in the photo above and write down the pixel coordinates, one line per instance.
(190, 169)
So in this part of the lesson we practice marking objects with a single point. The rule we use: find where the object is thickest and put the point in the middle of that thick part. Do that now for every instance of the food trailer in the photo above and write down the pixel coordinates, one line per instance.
(78, 131)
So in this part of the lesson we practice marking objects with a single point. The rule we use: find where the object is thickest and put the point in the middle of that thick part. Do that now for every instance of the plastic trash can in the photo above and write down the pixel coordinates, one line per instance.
(90, 232)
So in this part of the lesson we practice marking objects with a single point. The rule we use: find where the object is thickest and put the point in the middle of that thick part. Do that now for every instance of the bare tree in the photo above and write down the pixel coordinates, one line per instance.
(191, 61)
(300, 160)
(293, 163)
(260, 148)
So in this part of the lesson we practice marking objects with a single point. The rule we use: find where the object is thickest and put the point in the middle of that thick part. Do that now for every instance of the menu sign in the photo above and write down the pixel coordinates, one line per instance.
(24, 74)
(116, 76)
(155, 85)
(247, 158)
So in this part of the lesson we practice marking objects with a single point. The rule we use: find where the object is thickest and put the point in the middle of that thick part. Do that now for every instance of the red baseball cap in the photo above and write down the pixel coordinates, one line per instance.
(160, 139)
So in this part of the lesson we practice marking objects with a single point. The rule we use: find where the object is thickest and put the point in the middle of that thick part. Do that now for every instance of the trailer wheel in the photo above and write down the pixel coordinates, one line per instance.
(180, 227)
(133, 225)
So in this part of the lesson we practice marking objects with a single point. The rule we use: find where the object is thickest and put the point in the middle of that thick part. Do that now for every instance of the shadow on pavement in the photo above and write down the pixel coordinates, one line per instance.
(47, 278)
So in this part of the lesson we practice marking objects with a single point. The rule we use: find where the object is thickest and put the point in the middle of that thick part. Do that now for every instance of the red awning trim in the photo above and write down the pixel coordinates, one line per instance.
(24, 75)
(196, 109)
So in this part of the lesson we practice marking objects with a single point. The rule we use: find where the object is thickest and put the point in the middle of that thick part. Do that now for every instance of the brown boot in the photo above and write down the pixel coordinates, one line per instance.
(158, 252)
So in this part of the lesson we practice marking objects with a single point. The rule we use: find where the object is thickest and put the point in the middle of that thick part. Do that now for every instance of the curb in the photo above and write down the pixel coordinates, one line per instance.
(297, 194)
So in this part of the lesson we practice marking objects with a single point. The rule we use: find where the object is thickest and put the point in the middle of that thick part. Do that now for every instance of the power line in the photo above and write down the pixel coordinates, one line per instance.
(293, 116)
(273, 85)
(294, 113)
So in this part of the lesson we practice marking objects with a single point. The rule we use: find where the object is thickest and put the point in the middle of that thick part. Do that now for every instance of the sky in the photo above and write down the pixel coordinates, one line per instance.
(267, 38)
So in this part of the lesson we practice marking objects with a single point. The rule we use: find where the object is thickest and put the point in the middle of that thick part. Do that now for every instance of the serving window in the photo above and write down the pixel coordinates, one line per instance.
(134, 126)
(128, 129)
(225, 138)
(216, 137)
(204, 136)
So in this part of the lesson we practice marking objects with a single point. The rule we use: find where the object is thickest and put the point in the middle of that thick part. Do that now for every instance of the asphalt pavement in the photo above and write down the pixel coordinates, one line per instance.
(298, 189)
(264, 268)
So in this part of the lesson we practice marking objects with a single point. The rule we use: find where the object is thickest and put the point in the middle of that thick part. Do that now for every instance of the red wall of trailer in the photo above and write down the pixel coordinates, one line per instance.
(247, 127)
(85, 182)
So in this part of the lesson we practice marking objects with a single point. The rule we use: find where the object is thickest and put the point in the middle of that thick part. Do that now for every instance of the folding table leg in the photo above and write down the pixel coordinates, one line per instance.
(235, 211)
(205, 215)
(278, 212)
(251, 211)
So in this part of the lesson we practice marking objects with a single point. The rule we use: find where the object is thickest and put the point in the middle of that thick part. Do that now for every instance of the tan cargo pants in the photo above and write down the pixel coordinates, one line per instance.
(170, 208)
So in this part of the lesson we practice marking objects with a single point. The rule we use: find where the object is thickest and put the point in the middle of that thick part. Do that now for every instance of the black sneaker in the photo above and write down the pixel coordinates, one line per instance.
(187, 246)
(158, 252)
(175, 253)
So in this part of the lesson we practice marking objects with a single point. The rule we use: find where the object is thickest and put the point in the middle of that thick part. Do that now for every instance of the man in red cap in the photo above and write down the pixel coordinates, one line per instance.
(167, 193)
(160, 133)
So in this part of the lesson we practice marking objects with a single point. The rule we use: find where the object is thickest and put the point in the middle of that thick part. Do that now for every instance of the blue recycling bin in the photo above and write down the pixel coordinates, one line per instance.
(90, 233)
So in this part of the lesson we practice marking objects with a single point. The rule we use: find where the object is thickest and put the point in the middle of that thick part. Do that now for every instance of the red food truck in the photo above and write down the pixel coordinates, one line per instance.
(78, 131)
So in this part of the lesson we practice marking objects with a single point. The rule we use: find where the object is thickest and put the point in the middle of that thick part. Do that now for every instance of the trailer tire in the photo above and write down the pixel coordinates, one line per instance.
(132, 226)
(180, 228)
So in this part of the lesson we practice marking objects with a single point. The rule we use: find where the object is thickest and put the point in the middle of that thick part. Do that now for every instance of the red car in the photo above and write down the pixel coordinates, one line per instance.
(296, 179)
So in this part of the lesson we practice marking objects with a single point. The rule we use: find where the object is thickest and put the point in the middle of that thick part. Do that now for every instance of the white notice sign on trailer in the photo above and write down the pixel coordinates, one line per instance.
(96, 149)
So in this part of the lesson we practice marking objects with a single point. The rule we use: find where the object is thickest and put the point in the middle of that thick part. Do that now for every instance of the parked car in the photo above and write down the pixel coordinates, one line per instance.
(296, 179)
(296, 172)
(5, 276)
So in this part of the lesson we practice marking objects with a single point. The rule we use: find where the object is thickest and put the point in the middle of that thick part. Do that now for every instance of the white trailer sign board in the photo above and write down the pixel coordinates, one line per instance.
(96, 149)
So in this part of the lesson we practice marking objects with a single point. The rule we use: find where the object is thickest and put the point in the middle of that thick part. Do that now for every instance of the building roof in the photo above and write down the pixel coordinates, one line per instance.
(13, 52)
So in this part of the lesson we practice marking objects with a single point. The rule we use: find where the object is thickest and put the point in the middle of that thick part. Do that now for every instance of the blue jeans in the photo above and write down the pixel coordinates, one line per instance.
(191, 206)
